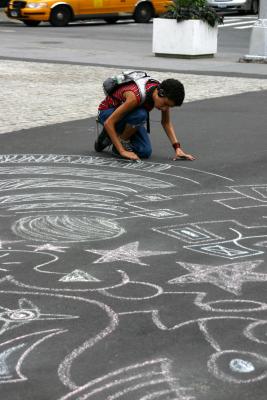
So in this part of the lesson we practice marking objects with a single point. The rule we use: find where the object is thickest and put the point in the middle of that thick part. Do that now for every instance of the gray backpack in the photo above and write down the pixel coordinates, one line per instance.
(139, 77)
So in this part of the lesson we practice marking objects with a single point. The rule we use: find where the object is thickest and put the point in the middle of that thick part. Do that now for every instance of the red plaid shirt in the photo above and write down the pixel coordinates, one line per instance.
(117, 98)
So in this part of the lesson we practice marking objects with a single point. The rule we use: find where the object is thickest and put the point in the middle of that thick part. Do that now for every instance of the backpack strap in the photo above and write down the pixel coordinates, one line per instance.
(141, 84)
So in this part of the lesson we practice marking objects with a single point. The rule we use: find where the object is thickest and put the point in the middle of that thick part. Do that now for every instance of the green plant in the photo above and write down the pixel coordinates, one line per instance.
(192, 9)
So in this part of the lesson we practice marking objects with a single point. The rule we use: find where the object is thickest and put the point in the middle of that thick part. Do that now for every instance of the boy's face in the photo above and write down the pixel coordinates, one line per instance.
(162, 103)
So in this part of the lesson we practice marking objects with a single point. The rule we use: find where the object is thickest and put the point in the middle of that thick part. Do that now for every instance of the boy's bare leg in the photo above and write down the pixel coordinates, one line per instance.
(128, 132)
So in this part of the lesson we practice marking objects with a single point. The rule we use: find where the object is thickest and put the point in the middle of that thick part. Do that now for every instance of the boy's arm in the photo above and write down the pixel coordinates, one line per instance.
(110, 124)
(169, 129)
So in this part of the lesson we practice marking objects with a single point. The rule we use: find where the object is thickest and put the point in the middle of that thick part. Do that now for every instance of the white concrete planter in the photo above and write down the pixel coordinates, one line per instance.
(190, 38)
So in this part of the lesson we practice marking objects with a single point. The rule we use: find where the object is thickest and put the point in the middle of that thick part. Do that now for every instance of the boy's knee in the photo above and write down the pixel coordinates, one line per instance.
(145, 152)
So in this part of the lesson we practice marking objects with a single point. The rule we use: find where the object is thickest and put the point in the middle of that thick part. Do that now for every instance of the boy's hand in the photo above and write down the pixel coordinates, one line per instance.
(130, 155)
(179, 153)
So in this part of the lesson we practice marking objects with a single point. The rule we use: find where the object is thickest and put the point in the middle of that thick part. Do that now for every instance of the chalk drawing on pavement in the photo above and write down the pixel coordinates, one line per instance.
(261, 244)
(229, 277)
(155, 197)
(14, 352)
(209, 242)
(48, 247)
(159, 213)
(153, 377)
(78, 276)
(128, 253)
(25, 313)
(66, 228)
(81, 217)
(256, 332)
(249, 196)
(238, 366)
(228, 249)
(191, 233)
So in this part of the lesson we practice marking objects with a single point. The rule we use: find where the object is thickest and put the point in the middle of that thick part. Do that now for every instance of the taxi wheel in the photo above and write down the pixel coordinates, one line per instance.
(60, 16)
(31, 23)
(143, 13)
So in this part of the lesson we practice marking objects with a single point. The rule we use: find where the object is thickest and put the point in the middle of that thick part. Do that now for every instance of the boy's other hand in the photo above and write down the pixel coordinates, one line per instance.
(179, 153)
(130, 155)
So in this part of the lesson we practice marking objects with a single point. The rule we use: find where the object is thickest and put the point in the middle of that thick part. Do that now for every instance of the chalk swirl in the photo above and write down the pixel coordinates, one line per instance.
(66, 228)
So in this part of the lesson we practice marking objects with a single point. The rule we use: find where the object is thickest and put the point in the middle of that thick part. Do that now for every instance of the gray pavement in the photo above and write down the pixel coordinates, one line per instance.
(124, 280)
(136, 280)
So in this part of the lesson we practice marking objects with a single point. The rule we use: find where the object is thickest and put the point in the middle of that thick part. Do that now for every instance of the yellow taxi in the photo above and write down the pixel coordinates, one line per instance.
(60, 13)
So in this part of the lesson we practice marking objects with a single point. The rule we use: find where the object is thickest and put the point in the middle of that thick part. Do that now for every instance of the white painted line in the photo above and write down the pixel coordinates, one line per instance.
(248, 17)
(234, 24)
(240, 18)
(245, 27)
(232, 19)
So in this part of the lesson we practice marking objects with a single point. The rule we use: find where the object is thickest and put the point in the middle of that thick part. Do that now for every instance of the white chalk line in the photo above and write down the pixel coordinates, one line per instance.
(139, 180)
(248, 332)
(82, 160)
(66, 228)
(65, 366)
(51, 332)
(139, 386)
(228, 277)
(214, 369)
(10, 278)
(51, 261)
(206, 172)
(165, 370)
(204, 330)
(157, 288)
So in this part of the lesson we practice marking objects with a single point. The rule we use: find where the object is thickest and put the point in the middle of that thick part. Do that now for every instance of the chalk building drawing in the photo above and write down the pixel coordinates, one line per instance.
(112, 283)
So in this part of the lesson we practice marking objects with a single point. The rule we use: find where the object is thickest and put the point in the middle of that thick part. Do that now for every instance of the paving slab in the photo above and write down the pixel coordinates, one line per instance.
(38, 94)
(136, 280)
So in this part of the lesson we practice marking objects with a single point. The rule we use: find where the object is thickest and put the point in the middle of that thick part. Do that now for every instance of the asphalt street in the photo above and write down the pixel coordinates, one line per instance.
(136, 280)
(123, 280)
(124, 44)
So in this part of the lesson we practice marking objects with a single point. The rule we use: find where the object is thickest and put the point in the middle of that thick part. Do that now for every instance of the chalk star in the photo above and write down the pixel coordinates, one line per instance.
(229, 277)
(128, 253)
(49, 247)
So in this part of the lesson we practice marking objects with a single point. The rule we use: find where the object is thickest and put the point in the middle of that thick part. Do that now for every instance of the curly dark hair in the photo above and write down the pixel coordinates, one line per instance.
(173, 90)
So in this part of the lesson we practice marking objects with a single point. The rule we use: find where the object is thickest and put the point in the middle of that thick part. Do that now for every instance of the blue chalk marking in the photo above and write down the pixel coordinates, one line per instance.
(241, 366)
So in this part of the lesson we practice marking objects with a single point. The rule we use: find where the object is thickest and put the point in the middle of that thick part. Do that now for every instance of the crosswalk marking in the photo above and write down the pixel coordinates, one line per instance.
(243, 17)
(244, 27)
(244, 22)
(235, 23)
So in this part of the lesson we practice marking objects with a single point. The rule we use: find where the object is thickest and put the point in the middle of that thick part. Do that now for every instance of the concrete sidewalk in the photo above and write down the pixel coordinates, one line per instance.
(49, 94)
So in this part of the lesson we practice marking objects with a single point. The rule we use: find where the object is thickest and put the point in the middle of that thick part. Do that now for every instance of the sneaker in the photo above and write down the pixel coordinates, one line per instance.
(102, 141)
(115, 152)
(126, 144)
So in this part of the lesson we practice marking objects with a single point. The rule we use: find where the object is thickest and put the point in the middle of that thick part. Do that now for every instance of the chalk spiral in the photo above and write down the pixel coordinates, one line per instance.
(66, 228)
